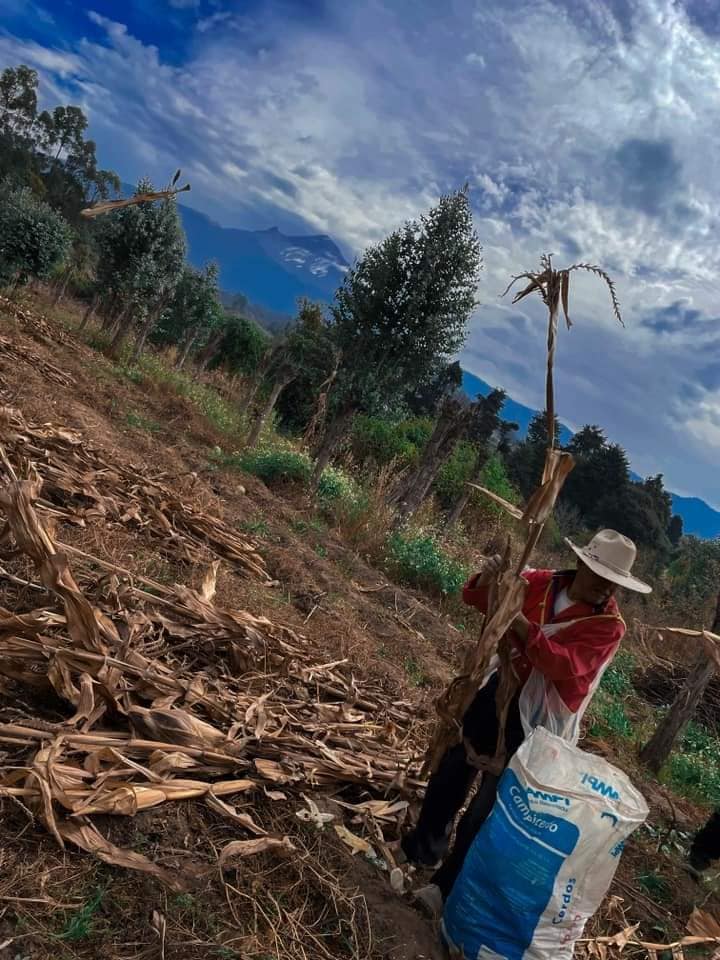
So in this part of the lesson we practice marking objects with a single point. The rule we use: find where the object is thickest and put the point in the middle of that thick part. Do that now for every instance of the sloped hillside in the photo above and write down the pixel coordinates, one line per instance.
(212, 708)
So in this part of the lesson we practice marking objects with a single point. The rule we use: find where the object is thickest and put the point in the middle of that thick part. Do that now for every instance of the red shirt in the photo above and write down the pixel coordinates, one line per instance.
(573, 656)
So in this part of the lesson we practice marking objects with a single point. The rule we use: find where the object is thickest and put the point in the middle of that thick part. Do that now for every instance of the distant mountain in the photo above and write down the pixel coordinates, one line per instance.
(270, 268)
(699, 518)
(512, 411)
(271, 320)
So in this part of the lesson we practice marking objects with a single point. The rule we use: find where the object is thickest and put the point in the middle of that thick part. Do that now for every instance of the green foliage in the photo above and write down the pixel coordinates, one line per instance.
(420, 561)
(455, 472)
(258, 528)
(141, 258)
(694, 766)
(610, 718)
(494, 477)
(194, 312)
(221, 414)
(335, 484)
(80, 925)
(694, 578)
(138, 422)
(48, 152)
(34, 238)
(242, 346)
(276, 465)
(403, 307)
(617, 679)
(378, 441)
(416, 674)
(656, 886)
(309, 355)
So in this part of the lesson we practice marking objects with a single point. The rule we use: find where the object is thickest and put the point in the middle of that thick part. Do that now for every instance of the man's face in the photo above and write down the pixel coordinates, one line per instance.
(592, 589)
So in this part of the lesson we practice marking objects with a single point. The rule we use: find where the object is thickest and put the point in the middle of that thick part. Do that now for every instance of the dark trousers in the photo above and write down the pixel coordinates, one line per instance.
(449, 786)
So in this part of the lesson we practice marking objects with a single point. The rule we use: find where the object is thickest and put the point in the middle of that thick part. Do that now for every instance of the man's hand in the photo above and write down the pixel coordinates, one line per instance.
(489, 571)
(521, 627)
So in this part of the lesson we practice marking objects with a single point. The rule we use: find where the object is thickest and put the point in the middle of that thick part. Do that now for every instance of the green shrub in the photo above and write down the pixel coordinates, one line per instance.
(495, 478)
(34, 238)
(138, 422)
(275, 465)
(609, 717)
(420, 561)
(377, 440)
(336, 485)
(455, 472)
(617, 679)
(696, 775)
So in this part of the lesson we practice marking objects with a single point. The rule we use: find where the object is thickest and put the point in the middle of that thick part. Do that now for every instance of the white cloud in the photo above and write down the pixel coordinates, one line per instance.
(580, 134)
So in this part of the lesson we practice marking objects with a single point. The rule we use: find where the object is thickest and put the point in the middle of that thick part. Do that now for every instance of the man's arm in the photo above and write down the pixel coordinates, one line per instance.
(573, 662)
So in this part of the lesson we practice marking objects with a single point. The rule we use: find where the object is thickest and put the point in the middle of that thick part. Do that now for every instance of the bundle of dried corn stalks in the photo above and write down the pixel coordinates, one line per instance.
(702, 928)
(507, 593)
(24, 355)
(83, 488)
(167, 695)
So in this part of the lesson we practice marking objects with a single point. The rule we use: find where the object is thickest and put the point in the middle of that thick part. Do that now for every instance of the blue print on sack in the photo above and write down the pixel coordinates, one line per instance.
(509, 875)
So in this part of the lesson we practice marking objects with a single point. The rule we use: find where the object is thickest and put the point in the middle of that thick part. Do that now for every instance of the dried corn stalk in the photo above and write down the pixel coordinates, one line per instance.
(508, 592)
(245, 703)
(107, 206)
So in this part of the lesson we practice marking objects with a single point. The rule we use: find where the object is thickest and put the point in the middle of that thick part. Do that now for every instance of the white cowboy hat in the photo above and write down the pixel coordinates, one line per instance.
(611, 555)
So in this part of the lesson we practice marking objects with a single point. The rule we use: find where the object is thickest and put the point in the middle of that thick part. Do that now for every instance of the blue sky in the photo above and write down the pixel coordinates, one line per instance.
(585, 128)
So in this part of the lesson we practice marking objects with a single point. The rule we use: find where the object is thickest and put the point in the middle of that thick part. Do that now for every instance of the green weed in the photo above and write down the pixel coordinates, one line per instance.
(415, 672)
(257, 527)
(81, 924)
(138, 422)
(655, 885)
(274, 465)
(610, 718)
(419, 560)
(617, 679)
(303, 526)
(321, 551)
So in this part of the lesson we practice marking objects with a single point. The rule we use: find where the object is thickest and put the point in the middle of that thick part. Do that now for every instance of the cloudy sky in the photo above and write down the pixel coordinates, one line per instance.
(586, 128)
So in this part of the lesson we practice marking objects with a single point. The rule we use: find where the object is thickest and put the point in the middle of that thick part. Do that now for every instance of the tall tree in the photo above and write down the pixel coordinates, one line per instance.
(194, 313)
(48, 152)
(401, 311)
(526, 460)
(142, 255)
(305, 347)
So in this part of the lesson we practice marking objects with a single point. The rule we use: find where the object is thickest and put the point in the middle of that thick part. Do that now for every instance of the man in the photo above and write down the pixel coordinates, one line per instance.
(705, 847)
(567, 634)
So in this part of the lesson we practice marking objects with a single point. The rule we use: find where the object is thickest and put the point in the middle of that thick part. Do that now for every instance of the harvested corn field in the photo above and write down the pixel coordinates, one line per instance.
(122, 694)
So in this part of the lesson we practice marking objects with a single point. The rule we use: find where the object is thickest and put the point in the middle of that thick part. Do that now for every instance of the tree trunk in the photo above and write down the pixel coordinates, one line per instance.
(89, 311)
(457, 510)
(262, 416)
(124, 322)
(658, 748)
(60, 290)
(334, 433)
(185, 352)
(464, 498)
(209, 351)
(150, 321)
(450, 426)
(112, 312)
